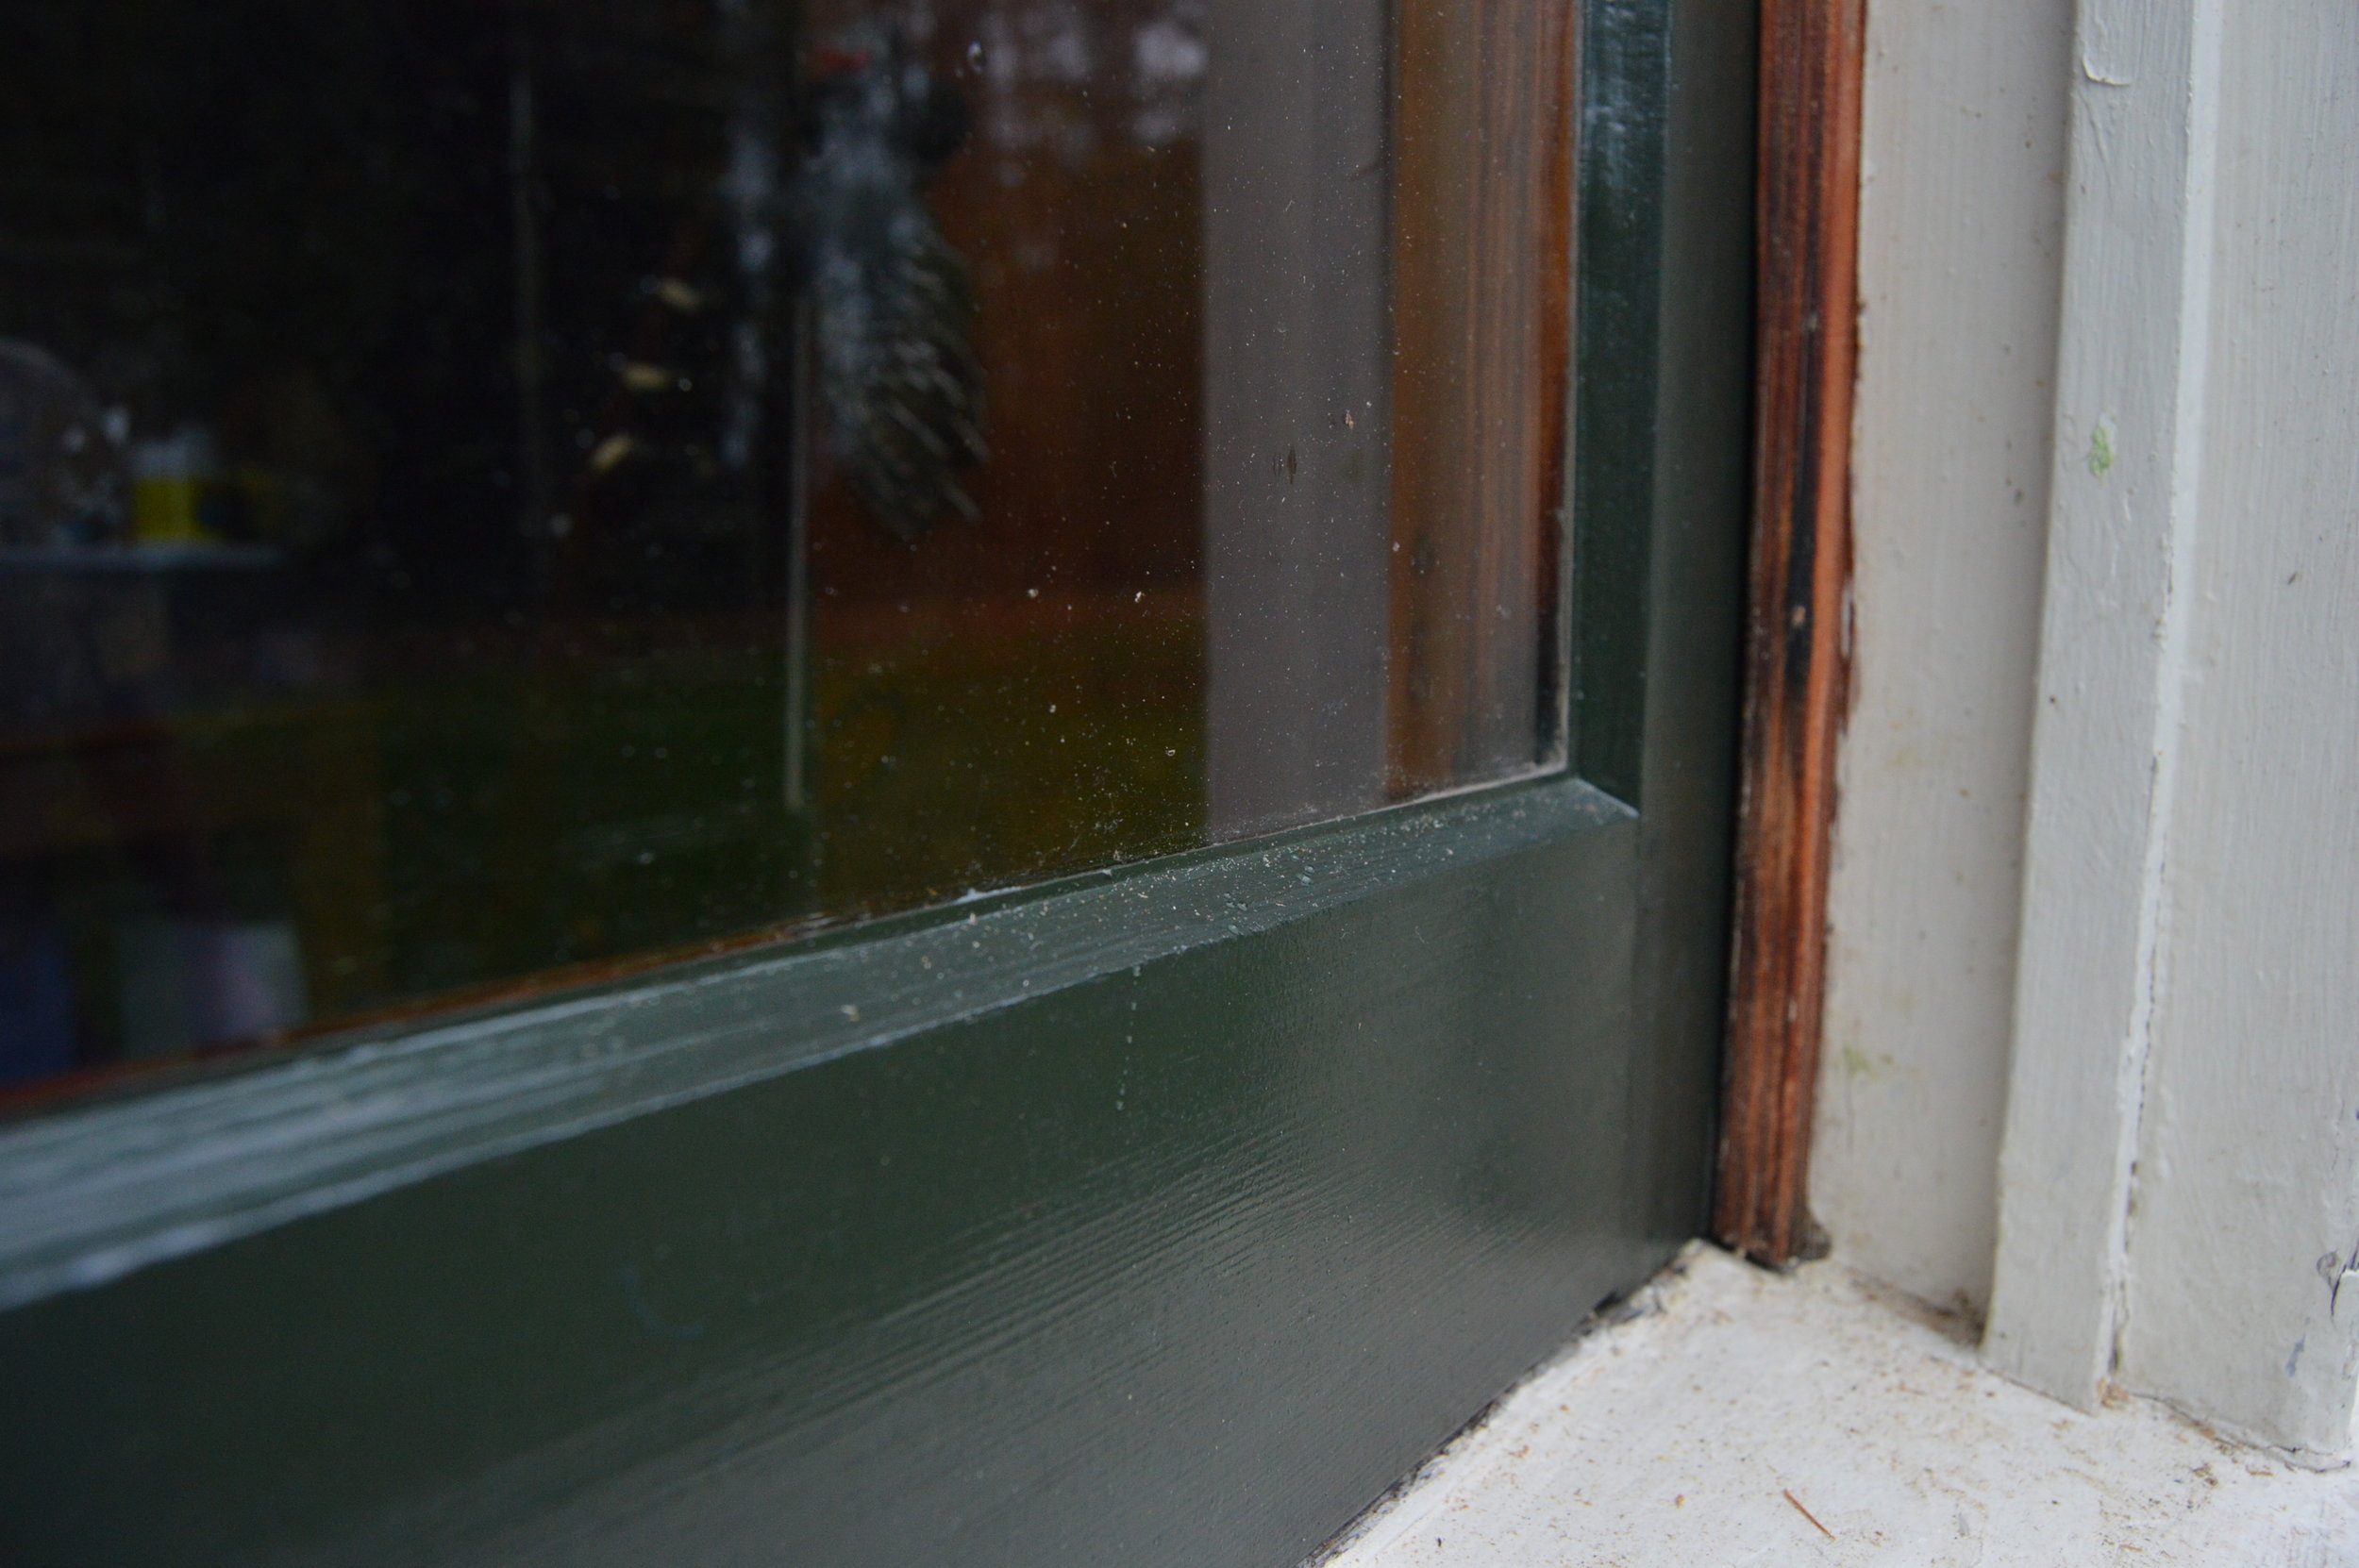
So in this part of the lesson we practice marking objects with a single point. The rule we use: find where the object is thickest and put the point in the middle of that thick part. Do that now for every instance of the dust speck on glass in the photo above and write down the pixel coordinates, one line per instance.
(491, 493)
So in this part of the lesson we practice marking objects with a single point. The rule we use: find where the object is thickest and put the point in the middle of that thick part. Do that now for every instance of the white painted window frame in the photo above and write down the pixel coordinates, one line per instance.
(2178, 1173)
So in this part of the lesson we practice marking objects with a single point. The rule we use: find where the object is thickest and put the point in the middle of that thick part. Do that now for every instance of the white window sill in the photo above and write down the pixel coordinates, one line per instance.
(1696, 1432)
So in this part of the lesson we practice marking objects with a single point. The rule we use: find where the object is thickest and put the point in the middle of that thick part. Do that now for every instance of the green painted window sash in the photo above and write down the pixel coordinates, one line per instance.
(88, 1196)
(1165, 1214)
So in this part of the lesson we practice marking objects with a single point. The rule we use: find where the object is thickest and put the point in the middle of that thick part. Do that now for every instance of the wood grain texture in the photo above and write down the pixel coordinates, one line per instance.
(1177, 1260)
(89, 1196)
(2110, 722)
(2247, 1175)
(1482, 266)
(1960, 274)
(1182, 1261)
(1797, 651)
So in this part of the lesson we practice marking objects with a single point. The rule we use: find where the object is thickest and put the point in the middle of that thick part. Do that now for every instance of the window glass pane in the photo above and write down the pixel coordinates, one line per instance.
(490, 493)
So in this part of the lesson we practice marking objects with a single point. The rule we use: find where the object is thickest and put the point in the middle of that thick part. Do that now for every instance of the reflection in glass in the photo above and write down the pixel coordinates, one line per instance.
(493, 493)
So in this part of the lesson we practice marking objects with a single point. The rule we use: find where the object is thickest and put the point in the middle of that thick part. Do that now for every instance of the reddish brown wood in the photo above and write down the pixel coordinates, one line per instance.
(1797, 642)
(1482, 300)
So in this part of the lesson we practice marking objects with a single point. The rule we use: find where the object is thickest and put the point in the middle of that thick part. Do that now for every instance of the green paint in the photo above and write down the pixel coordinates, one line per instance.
(1181, 1260)
(2102, 448)
(478, 1088)
(1618, 425)
(1349, 1176)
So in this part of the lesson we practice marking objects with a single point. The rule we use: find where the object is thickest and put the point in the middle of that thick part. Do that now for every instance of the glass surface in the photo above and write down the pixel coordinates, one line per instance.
(490, 494)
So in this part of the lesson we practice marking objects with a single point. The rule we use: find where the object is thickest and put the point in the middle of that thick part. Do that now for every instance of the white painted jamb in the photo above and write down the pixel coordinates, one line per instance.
(2246, 1197)
(1961, 209)
(2129, 439)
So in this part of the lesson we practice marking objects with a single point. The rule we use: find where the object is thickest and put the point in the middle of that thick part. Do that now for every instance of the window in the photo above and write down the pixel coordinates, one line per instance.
(505, 492)
(774, 634)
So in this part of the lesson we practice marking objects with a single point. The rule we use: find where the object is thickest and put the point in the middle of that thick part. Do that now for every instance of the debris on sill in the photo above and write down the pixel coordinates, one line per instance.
(1725, 1415)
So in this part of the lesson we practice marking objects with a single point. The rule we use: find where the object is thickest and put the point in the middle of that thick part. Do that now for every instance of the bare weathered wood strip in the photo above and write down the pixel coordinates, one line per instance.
(1796, 644)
